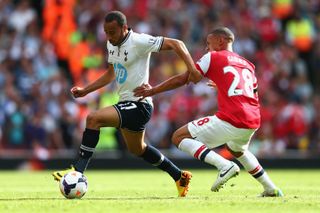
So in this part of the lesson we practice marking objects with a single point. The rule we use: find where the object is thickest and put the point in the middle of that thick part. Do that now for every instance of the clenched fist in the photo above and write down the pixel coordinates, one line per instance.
(78, 92)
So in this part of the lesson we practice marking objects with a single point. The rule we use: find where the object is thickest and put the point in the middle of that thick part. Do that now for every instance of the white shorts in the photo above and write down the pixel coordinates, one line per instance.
(214, 132)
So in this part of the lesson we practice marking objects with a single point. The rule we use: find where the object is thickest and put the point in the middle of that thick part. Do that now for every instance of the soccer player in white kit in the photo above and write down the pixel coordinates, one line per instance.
(128, 58)
(236, 120)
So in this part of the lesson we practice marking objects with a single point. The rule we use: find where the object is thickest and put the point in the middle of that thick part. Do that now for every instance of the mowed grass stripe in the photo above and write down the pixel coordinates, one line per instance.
(154, 191)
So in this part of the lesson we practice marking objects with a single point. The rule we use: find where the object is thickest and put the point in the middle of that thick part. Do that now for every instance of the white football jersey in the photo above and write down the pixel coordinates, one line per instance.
(130, 61)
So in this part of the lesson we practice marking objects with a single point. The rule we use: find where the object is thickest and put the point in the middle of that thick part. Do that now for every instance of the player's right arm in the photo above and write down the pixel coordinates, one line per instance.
(105, 79)
(174, 82)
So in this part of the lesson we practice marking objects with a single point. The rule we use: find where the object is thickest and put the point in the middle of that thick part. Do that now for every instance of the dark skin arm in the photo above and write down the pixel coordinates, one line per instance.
(182, 51)
(105, 79)
(174, 82)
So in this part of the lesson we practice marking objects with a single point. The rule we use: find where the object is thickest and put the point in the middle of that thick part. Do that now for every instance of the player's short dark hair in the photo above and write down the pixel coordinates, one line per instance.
(223, 31)
(116, 16)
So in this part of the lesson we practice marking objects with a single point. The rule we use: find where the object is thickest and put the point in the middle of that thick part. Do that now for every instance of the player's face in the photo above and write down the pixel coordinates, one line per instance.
(114, 32)
(215, 43)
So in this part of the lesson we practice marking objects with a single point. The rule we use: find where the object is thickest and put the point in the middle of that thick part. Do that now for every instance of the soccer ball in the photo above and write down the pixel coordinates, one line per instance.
(73, 185)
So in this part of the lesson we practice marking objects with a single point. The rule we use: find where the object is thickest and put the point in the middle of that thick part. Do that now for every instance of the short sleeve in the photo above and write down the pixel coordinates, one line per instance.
(146, 43)
(204, 63)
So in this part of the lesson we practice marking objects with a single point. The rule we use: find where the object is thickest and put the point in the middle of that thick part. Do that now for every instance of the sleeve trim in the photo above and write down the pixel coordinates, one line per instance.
(160, 46)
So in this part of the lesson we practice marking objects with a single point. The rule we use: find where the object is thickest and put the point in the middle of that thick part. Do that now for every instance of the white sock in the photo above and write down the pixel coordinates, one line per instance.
(201, 152)
(251, 165)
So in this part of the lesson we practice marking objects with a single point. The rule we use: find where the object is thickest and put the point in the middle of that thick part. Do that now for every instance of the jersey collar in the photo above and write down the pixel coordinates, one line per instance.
(126, 37)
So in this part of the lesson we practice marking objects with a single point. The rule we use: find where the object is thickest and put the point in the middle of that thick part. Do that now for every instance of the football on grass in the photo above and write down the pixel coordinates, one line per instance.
(73, 185)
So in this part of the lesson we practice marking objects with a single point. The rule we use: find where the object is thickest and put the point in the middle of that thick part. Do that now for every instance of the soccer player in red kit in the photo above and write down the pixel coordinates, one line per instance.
(237, 118)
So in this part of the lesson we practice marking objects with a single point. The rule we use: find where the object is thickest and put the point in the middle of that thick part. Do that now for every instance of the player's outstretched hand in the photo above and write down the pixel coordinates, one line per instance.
(210, 83)
(143, 91)
(78, 92)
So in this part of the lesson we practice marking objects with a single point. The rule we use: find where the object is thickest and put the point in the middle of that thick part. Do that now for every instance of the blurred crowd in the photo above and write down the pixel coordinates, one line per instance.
(48, 46)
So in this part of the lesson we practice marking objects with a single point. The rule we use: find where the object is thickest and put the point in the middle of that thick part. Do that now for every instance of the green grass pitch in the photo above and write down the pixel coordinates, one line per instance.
(148, 191)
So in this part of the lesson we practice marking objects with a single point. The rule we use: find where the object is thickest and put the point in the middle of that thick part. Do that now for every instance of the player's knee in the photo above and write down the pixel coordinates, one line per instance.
(179, 135)
(235, 154)
(92, 120)
(176, 138)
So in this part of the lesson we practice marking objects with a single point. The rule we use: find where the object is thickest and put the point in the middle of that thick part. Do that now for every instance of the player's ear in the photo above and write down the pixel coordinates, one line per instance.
(222, 42)
(124, 27)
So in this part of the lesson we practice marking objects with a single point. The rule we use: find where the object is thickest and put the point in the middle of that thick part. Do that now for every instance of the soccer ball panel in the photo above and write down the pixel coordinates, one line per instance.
(73, 185)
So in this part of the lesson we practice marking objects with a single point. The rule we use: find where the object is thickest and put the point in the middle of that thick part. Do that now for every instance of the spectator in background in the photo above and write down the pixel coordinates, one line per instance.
(268, 27)
(300, 33)
(22, 16)
(314, 129)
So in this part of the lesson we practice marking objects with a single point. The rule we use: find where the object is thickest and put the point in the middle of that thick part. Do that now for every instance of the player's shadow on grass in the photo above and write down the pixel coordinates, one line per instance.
(98, 198)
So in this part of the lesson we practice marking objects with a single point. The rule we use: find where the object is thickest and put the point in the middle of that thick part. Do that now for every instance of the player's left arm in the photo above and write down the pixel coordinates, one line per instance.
(180, 48)
(105, 79)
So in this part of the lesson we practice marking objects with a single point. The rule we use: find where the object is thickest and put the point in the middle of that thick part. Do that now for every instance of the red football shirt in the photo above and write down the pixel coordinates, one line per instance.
(238, 103)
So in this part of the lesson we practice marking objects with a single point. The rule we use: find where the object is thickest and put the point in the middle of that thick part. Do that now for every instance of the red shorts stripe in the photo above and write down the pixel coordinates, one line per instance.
(197, 153)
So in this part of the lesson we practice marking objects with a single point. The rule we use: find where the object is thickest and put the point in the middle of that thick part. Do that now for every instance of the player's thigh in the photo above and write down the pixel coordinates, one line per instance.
(209, 130)
(241, 139)
(105, 117)
(134, 141)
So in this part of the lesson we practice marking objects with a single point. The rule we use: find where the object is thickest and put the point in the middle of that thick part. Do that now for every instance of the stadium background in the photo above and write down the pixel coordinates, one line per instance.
(47, 46)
